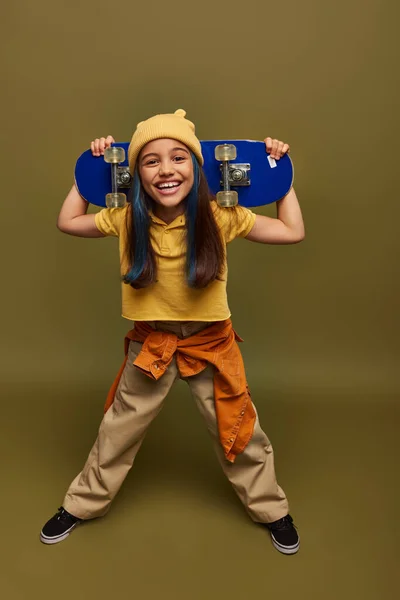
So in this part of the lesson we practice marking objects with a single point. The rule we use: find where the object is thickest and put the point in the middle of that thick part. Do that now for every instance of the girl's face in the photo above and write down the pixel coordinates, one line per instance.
(166, 172)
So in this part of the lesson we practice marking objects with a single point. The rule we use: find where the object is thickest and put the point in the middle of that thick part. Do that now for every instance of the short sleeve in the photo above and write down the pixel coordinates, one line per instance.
(233, 222)
(109, 220)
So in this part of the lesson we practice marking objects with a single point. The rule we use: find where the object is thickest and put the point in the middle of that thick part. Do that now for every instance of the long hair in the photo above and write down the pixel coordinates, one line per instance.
(205, 251)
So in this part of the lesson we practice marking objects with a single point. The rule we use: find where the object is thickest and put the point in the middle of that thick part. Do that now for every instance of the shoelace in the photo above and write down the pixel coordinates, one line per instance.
(284, 523)
(62, 514)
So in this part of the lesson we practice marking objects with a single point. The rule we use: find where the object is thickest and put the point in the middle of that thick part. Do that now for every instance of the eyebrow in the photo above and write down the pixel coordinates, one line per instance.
(155, 153)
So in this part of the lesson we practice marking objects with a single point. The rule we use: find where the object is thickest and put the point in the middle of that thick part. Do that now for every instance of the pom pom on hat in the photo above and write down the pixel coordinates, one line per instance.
(170, 125)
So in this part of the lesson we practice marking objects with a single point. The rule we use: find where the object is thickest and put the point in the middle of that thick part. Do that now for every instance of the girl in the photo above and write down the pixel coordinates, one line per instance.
(172, 243)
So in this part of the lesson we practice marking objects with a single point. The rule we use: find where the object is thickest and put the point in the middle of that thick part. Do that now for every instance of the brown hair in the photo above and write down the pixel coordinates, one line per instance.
(208, 243)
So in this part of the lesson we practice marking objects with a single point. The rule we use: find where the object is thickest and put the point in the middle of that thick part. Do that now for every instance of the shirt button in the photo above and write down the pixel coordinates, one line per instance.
(231, 440)
(166, 231)
(156, 366)
(242, 413)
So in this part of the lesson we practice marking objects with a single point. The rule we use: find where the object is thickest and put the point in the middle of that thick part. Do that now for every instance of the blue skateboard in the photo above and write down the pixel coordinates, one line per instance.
(237, 171)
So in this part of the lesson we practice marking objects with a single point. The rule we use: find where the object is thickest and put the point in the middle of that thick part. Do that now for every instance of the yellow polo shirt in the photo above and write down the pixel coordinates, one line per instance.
(170, 298)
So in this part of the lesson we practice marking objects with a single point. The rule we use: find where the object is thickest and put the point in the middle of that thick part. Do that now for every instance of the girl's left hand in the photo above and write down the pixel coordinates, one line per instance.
(275, 148)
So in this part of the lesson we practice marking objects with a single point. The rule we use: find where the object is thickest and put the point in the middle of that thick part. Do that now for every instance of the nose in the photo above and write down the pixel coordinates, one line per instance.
(166, 168)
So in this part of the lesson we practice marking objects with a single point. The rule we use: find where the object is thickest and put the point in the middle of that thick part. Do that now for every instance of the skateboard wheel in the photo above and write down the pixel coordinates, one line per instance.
(114, 154)
(225, 152)
(227, 199)
(115, 200)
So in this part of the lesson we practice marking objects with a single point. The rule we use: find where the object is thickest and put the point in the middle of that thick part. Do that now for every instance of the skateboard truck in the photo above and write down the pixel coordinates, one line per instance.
(232, 174)
(120, 176)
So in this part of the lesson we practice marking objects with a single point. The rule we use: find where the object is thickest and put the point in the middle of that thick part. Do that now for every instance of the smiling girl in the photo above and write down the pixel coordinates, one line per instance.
(172, 243)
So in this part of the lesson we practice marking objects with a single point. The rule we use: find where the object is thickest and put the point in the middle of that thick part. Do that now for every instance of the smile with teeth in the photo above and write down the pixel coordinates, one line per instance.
(168, 188)
(167, 184)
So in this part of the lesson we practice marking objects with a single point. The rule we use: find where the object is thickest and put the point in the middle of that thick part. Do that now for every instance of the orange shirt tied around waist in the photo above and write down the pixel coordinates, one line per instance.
(215, 345)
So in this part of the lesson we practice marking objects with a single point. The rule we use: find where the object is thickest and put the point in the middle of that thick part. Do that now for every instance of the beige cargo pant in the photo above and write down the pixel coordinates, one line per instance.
(138, 400)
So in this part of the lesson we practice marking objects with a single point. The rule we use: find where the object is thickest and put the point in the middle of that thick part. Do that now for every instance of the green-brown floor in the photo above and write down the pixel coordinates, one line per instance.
(176, 530)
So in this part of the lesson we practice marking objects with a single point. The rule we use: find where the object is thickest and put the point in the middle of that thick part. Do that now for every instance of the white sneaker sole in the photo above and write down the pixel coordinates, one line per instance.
(285, 549)
(58, 538)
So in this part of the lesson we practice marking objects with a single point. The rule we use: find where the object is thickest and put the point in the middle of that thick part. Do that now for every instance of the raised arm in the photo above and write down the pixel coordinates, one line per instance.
(288, 227)
(73, 218)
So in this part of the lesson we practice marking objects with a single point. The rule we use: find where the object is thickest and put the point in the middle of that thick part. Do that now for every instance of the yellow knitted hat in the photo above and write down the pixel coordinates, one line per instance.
(173, 126)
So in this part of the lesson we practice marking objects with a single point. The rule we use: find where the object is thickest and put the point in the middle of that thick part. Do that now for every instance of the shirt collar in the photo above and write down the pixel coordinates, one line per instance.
(180, 220)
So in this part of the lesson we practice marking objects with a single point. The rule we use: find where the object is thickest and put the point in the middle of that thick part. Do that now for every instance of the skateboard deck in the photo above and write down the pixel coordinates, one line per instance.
(257, 178)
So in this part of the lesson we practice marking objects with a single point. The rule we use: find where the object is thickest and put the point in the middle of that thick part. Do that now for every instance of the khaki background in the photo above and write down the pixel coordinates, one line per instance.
(320, 319)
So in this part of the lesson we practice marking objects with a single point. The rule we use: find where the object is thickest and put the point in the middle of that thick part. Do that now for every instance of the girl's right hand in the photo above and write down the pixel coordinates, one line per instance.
(100, 144)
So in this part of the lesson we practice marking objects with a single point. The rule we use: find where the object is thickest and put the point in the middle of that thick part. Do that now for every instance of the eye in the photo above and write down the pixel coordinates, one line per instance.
(179, 158)
(150, 162)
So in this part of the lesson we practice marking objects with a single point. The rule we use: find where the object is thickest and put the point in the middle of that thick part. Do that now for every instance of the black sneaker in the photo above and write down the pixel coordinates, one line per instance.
(284, 535)
(58, 527)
